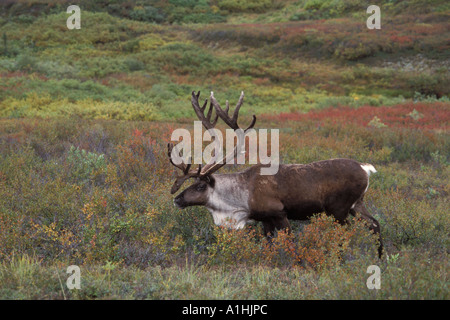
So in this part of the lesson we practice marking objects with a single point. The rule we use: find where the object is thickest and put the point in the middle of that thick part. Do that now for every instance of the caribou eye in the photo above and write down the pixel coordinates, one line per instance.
(201, 187)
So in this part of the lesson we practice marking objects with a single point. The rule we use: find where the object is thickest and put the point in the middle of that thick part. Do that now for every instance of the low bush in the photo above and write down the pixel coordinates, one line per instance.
(85, 165)
(323, 243)
(110, 204)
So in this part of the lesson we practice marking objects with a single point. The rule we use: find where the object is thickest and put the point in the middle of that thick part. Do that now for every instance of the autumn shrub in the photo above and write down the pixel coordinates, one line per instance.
(435, 115)
(322, 243)
(234, 247)
(84, 209)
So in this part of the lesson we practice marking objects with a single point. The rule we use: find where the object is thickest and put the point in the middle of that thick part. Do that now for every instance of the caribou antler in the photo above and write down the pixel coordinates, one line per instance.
(208, 124)
(206, 120)
(213, 166)
(183, 167)
(232, 123)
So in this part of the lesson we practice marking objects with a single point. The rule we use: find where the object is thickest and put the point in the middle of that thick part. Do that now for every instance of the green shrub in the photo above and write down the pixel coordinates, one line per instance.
(26, 62)
(243, 6)
(147, 13)
(85, 165)
(134, 64)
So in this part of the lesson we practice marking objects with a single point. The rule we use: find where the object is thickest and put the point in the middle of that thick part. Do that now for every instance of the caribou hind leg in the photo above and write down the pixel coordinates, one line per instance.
(341, 211)
(373, 224)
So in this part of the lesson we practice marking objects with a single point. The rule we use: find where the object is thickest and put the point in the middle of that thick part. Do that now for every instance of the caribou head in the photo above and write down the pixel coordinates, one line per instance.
(199, 192)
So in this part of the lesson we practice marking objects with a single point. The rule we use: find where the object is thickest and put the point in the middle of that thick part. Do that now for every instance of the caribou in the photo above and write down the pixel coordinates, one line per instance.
(296, 192)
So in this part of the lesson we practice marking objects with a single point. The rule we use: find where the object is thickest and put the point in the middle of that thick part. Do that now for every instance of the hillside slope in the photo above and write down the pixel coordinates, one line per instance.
(290, 65)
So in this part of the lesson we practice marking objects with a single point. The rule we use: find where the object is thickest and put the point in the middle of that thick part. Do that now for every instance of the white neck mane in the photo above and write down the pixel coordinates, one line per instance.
(228, 201)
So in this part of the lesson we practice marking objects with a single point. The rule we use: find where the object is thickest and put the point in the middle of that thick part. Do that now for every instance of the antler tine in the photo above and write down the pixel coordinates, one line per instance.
(222, 114)
(188, 166)
(184, 167)
(196, 98)
(252, 124)
(238, 106)
(200, 112)
(236, 112)
(213, 167)
(227, 107)
(231, 122)
(210, 110)
(180, 166)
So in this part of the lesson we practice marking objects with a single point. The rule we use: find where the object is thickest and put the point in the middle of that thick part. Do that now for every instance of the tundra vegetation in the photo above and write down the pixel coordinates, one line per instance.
(86, 116)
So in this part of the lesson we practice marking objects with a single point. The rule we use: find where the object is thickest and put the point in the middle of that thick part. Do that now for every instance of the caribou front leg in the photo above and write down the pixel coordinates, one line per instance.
(276, 224)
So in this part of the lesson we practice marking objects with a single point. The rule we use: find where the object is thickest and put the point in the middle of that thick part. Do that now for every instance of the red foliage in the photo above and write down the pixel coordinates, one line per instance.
(137, 133)
(433, 115)
(331, 36)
